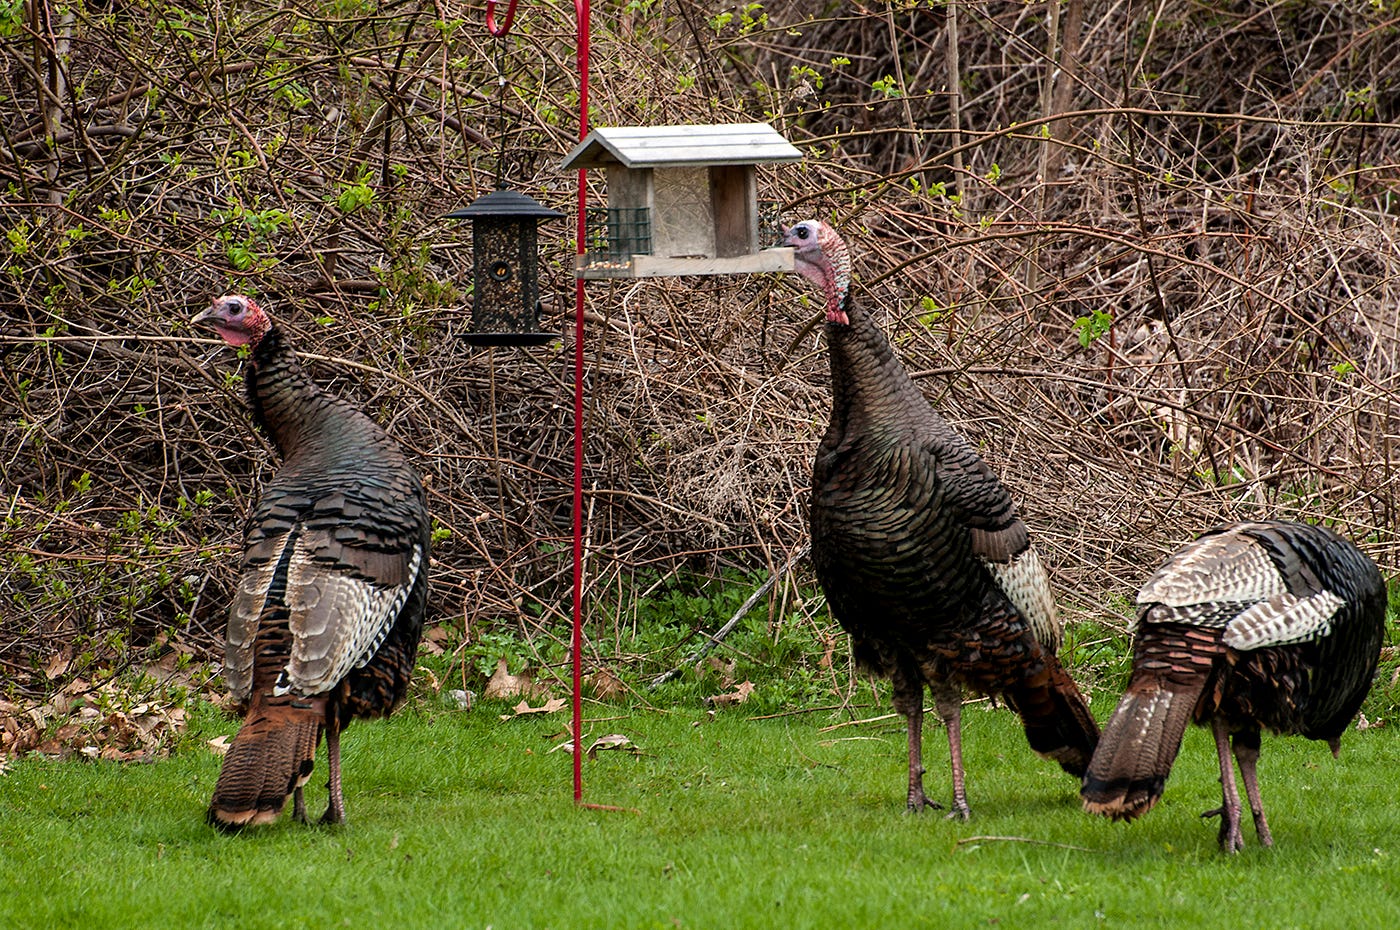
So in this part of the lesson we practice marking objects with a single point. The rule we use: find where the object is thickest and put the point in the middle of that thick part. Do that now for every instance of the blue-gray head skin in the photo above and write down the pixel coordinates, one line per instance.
(822, 258)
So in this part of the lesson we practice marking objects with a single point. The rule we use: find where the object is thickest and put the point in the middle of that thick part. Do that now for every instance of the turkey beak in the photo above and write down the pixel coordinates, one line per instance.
(214, 311)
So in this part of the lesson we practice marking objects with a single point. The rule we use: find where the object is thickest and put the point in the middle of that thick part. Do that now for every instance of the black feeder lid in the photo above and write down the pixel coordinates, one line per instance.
(504, 204)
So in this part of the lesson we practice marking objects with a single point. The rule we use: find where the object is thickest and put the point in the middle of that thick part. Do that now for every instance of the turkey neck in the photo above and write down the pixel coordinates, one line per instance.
(866, 376)
(285, 402)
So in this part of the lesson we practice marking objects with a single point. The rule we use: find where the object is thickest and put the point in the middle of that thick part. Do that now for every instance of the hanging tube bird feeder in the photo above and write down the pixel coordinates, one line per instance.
(505, 269)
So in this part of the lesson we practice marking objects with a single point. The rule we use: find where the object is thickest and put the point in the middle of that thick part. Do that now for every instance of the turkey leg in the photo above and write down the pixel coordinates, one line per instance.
(1247, 754)
(909, 701)
(1231, 840)
(335, 810)
(948, 699)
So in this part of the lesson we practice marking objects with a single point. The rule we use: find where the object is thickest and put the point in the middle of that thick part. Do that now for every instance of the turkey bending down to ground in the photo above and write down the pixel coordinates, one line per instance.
(1256, 626)
(920, 551)
(326, 618)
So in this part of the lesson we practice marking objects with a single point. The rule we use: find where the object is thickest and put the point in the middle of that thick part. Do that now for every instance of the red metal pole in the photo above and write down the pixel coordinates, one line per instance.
(499, 30)
(582, 29)
(492, 27)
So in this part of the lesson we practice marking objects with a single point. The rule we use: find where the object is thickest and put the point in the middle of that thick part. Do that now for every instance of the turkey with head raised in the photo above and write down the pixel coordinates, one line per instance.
(919, 548)
(326, 618)
(1256, 626)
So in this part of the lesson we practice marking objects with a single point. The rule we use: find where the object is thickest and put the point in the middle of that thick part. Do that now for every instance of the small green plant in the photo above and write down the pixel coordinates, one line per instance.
(354, 195)
(18, 238)
(486, 650)
(886, 86)
(11, 17)
(800, 74)
(244, 232)
(751, 17)
(931, 313)
(1093, 327)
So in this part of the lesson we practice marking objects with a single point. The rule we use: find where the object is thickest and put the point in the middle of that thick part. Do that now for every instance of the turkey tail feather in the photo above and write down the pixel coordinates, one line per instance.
(1058, 723)
(1138, 747)
(271, 756)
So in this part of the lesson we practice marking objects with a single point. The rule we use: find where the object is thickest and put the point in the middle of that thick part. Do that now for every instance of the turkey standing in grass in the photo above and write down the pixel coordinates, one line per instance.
(920, 551)
(1260, 625)
(325, 622)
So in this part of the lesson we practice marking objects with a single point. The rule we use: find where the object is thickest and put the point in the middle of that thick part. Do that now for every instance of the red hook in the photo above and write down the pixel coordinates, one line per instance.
(503, 28)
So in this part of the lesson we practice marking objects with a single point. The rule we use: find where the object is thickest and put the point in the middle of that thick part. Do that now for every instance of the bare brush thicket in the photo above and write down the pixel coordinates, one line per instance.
(1145, 256)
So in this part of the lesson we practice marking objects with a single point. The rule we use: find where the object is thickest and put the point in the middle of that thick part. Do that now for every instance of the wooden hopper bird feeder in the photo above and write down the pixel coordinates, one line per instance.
(505, 269)
(681, 200)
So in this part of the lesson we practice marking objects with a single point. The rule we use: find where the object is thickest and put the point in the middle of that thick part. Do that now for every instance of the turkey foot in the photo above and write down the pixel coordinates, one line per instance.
(918, 802)
(949, 703)
(335, 810)
(1231, 839)
(948, 699)
(960, 811)
(909, 701)
(1247, 754)
(917, 799)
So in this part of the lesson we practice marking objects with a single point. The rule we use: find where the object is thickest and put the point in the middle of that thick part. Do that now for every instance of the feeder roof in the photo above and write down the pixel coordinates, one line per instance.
(504, 203)
(664, 146)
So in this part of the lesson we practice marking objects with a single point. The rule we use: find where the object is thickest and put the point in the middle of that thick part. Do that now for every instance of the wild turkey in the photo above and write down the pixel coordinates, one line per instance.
(920, 551)
(1256, 626)
(325, 622)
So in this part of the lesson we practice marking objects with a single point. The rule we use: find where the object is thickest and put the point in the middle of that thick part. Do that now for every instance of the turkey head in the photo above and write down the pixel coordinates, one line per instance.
(822, 258)
(238, 319)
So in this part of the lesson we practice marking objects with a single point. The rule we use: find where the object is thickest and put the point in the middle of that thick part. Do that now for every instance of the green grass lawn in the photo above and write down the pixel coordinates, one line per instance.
(463, 820)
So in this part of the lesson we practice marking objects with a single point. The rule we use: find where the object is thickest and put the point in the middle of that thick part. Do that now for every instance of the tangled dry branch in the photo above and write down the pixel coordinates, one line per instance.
(1156, 281)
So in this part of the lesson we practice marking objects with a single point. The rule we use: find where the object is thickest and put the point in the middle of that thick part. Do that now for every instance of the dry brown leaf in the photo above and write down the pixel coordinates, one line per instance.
(505, 685)
(56, 666)
(738, 696)
(548, 707)
(113, 754)
(218, 745)
(611, 741)
(724, 669)
(433, 639)
(140, 734)
(166, 670)
(606, 685)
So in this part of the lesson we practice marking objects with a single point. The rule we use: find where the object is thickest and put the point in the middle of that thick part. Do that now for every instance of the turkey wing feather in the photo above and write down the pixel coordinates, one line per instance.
(1223, 568)
(1000, 540)
(343, 602)
(1284, 620)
